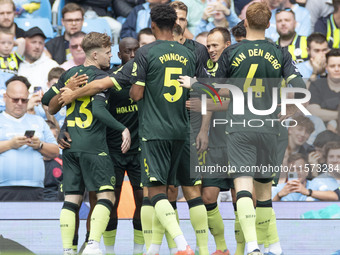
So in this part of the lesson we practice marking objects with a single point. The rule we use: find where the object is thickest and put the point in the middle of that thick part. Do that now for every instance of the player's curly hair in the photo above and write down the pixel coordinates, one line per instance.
(164, 16)
(258, 15)
(95, 40)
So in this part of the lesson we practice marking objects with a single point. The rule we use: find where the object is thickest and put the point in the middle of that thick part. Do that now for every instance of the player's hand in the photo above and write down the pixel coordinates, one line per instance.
(126, 140)
(185, 81)
(18, 141)
(76, 81)
(64, 140)
(202, 142)
(194, 104)
(34, 142)
(66, 96)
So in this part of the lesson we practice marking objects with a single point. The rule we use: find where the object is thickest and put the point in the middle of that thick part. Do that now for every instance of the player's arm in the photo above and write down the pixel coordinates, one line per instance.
(202, 139)
(51, 97)
(138, 76)
(100, 112)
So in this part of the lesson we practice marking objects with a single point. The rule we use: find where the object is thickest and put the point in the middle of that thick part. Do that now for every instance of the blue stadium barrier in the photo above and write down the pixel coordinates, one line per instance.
(43, 23)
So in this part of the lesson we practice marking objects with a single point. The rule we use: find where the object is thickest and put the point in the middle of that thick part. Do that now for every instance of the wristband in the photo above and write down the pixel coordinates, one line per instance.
(310, 192)
(41, 145)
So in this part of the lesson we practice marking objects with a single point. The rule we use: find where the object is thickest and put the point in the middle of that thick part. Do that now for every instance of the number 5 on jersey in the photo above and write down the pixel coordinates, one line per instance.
(168, 82)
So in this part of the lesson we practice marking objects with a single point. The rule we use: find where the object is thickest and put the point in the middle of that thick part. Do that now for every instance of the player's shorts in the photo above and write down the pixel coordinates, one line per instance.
(129, 163)
(159, 161)
(217, 157)
(252, 154)
(282, 143)
(186, 175)
(81, 169)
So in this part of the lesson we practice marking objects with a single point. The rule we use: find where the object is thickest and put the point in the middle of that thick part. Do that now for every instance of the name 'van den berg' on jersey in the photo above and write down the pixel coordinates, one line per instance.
(157, 67)
(261, 66)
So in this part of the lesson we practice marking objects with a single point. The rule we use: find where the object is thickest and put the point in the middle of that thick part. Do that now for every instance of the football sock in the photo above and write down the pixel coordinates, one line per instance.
(216, 226)
(147, 212)
(137, 236)
(68, 223)
(240, 242)
(75, 243)
(199, 221)
(171, 243)
(264, 211)
(167, 216)
(99, 219)
(109, 236)
(273, 237)
(247, 217)
(157, 235)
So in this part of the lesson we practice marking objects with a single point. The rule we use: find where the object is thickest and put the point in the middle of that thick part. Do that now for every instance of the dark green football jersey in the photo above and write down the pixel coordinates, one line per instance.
(123, 109)
(157, 66)
(259, 65)
(202, 57)
(88, 134)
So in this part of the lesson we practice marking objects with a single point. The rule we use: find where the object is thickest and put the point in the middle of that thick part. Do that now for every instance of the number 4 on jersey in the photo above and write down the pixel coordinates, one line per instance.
(258, 88)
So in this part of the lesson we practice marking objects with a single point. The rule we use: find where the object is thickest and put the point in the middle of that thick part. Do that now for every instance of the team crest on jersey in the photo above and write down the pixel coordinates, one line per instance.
(113, 180)
(210, 64)
(134, 69)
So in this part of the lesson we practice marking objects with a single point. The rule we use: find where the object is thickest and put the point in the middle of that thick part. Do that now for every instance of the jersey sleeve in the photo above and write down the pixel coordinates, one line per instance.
(202, 57)
(139, 69)
(121, 77)
(53, 91)
(290, 72)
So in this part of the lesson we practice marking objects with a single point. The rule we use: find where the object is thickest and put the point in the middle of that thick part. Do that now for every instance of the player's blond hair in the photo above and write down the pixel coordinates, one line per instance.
(258, 15)
(95, 40)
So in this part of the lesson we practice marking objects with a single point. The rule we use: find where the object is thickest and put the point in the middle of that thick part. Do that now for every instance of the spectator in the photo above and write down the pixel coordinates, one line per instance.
(139, 18)
(329, 179)
(36, 64)
(23, 177)
(239, 32)
(303, 24)
(216, 14)
(285, 26)
(298, 135)
(329, 26)
(325, 93)
(145, 36)
(122, 8)
(35, 107)
(53, 172)
(202, 38)
(296, 186)
(196, 9)
(9, 60)
(78, 55)
(315, 67)
(72, 20)
(321, 140)
(7, 13)
(318, 9)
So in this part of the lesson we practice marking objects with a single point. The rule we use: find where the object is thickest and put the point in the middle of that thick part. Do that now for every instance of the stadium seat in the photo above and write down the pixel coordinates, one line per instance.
(96, 25)
(115, 60)
(45, 10)
(43, 23)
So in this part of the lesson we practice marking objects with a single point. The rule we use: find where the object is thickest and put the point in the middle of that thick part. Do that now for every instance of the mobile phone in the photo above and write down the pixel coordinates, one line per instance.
(29, 133)
(210, 1)
(292, 176)
(36, 89)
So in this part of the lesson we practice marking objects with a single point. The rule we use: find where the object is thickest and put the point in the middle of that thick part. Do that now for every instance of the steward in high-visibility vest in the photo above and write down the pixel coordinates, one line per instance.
(297, 48)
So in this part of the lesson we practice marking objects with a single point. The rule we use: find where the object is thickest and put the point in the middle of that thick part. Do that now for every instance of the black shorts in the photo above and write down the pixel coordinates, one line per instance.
(159, 161)
(252, 154)
(80, 170)
(129, 163)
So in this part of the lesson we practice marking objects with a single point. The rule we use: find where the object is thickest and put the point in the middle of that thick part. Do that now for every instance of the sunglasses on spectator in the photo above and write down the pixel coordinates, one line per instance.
(278, 10)
(73, 20)
(76, 46)
(16, 100)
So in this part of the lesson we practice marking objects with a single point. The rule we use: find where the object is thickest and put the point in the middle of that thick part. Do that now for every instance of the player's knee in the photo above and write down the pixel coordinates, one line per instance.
(108, 195)
(242, 194)
(191, 192)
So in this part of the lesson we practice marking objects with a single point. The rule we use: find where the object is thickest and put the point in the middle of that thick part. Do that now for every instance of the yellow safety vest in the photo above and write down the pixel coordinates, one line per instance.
(298, 48)
(333, 33)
